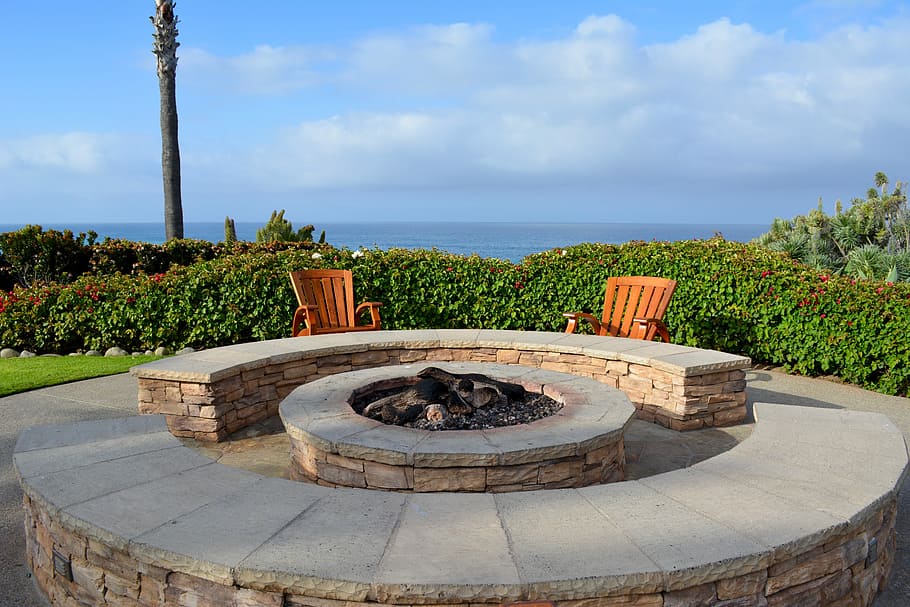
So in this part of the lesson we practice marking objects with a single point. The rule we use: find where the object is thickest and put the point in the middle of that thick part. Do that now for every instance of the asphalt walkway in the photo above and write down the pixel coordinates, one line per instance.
(116, 396)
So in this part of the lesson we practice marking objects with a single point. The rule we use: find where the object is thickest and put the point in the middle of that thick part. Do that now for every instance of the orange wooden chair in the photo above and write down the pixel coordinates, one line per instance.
(634, 306)
(326, 304)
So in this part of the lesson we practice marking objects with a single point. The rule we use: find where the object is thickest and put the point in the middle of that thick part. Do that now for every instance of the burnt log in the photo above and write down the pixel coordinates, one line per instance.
(438, 394)
(473, 381)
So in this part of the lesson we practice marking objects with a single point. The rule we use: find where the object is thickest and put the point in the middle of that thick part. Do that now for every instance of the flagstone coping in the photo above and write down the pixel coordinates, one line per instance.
(807, 483)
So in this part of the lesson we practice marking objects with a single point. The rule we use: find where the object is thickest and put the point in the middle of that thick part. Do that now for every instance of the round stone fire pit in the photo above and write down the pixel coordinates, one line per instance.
(580, 445)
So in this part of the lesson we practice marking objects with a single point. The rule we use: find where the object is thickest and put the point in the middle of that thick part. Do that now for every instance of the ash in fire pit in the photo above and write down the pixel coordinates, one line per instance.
(439, 400)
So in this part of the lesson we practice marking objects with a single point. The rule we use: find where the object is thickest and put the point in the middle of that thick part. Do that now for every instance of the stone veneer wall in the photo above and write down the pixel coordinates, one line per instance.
(841, 572)
(605, 464)
(211, 411)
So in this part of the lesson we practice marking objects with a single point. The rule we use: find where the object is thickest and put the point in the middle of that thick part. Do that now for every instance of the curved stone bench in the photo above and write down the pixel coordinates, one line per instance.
(209, 394)
(802, 512)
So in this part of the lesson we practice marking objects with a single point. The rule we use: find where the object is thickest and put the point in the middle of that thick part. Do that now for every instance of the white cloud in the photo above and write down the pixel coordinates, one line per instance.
(67, 152)
(721, 111)
(726, 104)
(266, 70)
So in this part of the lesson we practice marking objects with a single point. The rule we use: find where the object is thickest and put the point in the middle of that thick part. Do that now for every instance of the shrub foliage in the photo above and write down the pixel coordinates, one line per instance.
(870, 239)
(731, 297)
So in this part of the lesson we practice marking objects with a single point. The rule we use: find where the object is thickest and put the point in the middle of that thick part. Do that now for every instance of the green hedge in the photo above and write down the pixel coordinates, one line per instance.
(32, 256)
(732, 297)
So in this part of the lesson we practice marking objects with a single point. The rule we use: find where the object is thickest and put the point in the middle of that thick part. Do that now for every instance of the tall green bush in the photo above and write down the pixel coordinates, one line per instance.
(32, 255)
(732, 297)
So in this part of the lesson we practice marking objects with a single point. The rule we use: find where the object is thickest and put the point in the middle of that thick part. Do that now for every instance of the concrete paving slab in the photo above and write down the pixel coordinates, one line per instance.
(692, 548)
(467, 336)
(183, 368)
(489, 338)
(387, 444)
(874, 471)
(649, 352)
(83, 483)
(615, 345)
(333, 548)
(461, 448)
(424, 338)
(548, 543)
(197, 542)
(50, 436)
(860, 432)
(699, 361)
(45, 461)
(531, 444)
(745, 509)
(130, 512)
(328, 432)
(434, 551)
(843, 498)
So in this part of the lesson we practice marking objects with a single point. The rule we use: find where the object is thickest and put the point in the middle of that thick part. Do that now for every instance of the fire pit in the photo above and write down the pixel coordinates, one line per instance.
(580, 444)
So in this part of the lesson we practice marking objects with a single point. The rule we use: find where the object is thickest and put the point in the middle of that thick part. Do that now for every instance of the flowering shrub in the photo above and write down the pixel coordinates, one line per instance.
(732, 297)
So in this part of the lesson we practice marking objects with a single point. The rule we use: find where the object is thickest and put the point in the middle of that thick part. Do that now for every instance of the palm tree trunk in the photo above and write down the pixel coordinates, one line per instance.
(165, 48)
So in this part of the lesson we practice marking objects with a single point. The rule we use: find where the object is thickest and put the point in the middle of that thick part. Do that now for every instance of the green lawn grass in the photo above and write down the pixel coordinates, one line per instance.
(23, 374)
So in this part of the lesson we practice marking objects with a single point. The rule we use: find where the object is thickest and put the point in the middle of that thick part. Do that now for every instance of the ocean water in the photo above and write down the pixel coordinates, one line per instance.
(511, 241)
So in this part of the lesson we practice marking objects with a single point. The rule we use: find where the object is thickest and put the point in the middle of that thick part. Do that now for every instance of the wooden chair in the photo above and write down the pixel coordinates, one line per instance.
(326, 304)
(634, 306)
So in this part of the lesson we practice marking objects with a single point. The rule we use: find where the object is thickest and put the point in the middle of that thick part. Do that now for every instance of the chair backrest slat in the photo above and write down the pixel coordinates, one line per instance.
(331, 291)
(630, 297)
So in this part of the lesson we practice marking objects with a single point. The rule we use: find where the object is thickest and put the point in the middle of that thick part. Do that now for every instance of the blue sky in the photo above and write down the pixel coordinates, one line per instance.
(577, 111)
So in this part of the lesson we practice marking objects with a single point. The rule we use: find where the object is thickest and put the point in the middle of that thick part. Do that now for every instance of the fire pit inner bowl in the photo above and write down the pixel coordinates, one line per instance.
(436, 399)
(581, 444)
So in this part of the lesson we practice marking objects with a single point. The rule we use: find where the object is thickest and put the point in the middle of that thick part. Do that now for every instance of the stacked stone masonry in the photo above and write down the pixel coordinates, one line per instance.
(837, 573)
(211, 404)
(603, 465)
(219, 536)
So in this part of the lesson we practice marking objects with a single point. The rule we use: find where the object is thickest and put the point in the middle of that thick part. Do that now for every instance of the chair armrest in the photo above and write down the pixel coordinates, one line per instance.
(302, 319)
(373, 307)
(648, 328)
(574, 317)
